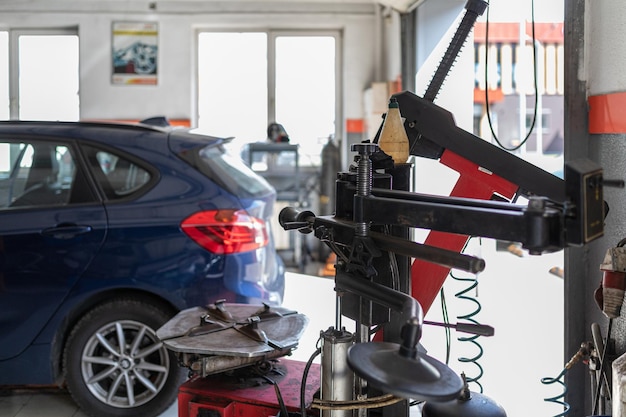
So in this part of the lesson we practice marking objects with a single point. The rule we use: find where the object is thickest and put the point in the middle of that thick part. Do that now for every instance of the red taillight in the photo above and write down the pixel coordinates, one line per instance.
(226, 231)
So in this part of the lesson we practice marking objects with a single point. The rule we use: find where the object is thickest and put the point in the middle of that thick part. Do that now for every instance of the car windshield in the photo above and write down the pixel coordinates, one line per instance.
(231, 173)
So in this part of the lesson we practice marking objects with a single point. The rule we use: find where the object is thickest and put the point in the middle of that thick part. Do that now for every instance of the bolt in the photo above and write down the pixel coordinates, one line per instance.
(364, 148)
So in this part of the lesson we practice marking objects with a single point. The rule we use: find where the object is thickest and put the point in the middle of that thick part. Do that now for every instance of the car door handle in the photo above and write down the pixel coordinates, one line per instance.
(66, 231)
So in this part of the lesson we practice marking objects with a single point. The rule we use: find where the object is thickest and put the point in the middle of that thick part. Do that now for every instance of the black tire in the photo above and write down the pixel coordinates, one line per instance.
(141, 379)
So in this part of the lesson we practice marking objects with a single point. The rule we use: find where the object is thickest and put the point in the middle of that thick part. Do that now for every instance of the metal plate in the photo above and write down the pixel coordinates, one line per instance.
(226, 336)
(421, 378)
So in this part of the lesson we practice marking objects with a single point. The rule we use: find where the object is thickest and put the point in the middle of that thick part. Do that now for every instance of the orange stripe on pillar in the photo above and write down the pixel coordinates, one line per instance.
(607, 113)
(355, 126)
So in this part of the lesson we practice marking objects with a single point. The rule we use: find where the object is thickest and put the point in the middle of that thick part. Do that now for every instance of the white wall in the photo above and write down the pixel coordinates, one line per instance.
(178, 20)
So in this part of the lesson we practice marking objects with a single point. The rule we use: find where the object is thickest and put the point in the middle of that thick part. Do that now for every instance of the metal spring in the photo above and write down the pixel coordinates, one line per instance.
(471, 339)
(560, 398)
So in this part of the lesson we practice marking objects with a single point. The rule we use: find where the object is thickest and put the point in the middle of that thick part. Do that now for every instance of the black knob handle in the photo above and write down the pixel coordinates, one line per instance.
(291, 218)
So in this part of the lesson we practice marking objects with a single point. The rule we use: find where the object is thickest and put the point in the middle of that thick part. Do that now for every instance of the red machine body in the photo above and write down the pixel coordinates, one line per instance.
(231, 395)
(474, 182)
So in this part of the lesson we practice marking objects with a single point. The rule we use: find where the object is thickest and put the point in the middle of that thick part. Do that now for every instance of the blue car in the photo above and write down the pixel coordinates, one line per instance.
(106, 232)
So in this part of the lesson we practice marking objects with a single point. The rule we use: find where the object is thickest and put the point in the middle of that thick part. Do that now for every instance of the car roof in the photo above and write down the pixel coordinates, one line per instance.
(114, 133)
(67, 127)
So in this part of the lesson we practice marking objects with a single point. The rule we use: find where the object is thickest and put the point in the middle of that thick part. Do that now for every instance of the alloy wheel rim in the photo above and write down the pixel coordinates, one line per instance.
(124, 364)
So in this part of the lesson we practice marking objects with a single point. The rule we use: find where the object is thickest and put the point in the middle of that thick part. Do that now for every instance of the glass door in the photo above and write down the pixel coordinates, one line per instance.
(247, 80)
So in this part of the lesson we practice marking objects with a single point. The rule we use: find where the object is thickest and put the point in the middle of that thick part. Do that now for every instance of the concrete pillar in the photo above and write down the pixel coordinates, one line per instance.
(606, 82)
(595, 109)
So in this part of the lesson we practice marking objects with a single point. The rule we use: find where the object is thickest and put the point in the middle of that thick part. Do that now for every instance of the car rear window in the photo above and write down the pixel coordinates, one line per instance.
(230, 172)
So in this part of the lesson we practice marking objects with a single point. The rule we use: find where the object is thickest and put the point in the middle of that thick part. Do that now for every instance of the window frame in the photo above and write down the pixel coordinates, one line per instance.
(99, 179)
(271, 36)
(14, 61)
(81, 182)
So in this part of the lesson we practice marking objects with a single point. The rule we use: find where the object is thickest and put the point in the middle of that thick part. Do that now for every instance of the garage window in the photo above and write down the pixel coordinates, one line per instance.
(4, 76)
(247, 80)
(29, 59)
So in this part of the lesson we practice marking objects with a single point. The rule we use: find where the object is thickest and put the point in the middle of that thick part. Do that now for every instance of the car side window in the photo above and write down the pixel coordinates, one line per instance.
(118, 176)
(34, 174)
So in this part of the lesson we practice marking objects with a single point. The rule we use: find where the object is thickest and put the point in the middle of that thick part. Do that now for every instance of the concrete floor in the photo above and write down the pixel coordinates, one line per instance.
(48, 402)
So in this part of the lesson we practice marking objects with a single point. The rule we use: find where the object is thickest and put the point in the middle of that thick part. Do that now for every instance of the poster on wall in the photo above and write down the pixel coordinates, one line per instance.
(135, 51)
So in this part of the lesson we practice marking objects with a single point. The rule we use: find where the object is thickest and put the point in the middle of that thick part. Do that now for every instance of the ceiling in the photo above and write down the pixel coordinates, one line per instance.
(199, 6)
